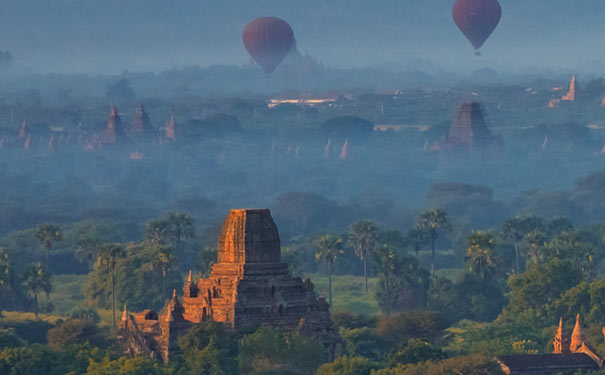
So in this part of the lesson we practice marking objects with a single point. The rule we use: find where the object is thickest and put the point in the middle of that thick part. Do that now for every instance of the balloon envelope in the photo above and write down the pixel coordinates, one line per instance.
(477, 19)
(268, 40)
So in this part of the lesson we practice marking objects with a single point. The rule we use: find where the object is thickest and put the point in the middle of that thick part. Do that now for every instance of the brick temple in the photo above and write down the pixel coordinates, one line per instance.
(248, 287)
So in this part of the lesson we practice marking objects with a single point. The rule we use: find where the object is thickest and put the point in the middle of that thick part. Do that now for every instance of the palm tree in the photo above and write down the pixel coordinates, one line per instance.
(329, 249)
(4, 267)
(157, 232)
(479, 256)
(163, 258)
(386, 261)
(417, 239)
(108, 257)
(430, 222)
(516, 228)
(37, 280)
(181, 227)
(46, 235)
(362, 237)
(534, 243)
(87, 250)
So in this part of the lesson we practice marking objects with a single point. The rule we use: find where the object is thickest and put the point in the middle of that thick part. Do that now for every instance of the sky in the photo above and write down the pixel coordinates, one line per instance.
(110, 36)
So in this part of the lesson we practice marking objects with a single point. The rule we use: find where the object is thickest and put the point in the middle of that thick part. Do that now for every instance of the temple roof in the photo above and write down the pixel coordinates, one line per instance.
(249, 236)
(527, 362)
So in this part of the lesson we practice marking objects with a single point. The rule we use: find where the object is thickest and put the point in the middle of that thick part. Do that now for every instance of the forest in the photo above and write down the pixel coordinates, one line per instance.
(432, 262)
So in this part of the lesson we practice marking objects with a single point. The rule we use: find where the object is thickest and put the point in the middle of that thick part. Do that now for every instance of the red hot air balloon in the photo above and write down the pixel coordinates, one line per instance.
(477, 19)
(268, 40)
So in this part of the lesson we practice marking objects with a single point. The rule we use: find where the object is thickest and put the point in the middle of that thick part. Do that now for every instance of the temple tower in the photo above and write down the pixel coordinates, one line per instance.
(561, 341)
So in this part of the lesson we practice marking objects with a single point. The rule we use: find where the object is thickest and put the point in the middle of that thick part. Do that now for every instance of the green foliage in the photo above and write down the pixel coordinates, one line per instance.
(32, 331)
(349, 320)
(362, 238)
(207, 258)
(402, 283)
(4, 267)
(515, 230)
(10, 339)
(209, 349)
(126, 366)
(30, 360)
(468, 365)
(268, 350)
(492, 339)
(85, 313)
(136, 284)
(431, 222)
(363, 342)
(416, 351)
(36, 281)
(348, 366)
(73, 331)
(400, 328)
(585, 299)
(534, 292)
(329, 249)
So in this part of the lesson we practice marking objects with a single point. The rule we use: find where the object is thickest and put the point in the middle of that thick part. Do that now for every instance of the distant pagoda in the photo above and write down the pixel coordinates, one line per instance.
(114, 132)
(470, 131)
(141, 126)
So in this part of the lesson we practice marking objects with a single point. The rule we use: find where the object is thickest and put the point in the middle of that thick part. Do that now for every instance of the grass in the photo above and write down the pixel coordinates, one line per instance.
(18, 316)
(348, 294)
(67, 293)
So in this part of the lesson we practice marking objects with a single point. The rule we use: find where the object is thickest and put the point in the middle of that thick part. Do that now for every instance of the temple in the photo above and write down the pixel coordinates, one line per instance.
(141, 126)
(571, 355)
(469, 132)
(248, 287)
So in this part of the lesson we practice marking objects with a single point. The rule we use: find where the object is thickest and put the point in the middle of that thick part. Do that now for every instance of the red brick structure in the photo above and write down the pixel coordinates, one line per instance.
(571, 355)
(248, 287)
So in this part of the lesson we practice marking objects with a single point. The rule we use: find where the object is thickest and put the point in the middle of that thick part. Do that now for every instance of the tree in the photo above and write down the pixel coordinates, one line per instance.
(121, 91)
(362, 237)
(87, 250)
(73, 331)
(108, 257)
(329, 249)
(268, 351)
(180, 227)
(534, 244)
(348, 366)
(388, 264)
(416, 351)
(569, 245)
(37, 280)
(158, 232)
(46, 235)
(4, 267)
(430, 222)
(480, 256)
(516, 228)
(418, 239)
(533, 292)
(208, 257)
(163, 258)
(209, 349)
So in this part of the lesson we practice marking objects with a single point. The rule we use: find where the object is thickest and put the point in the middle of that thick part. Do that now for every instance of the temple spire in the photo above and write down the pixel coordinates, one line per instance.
(189, 278)
(577, 337)
(125, 314)
(561, 341)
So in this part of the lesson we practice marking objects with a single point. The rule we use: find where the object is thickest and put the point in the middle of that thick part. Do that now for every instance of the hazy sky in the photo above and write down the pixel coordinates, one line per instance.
(108, 36)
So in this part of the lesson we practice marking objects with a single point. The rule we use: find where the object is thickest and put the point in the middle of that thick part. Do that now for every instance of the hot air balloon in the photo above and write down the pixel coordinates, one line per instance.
(477, 19)
(268, 40)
